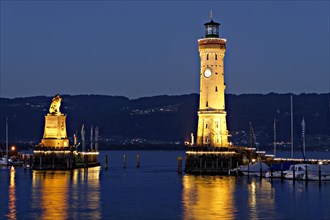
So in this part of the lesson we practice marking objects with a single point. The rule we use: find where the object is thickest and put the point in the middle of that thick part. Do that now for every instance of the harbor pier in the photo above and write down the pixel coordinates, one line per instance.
(220, 160)
(55, 152)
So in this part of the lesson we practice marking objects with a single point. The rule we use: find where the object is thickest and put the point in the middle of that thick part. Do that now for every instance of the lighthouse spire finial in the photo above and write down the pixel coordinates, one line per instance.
(211, 15)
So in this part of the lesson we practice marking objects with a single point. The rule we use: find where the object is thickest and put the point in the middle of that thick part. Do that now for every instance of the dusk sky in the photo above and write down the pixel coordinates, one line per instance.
(148, 48)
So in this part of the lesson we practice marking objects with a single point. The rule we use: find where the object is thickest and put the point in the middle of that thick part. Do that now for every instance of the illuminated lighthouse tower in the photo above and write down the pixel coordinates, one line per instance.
(212, 127)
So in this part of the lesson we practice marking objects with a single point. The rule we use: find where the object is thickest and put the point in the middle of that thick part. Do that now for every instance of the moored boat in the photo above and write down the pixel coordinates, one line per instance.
(296, 171)
(309, 172)
(278, 170)
(275, 174)
(317, 172)
(3, 161)
(254, 169)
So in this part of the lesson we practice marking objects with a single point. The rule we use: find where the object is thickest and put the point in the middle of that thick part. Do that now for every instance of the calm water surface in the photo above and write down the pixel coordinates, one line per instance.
(155, 191)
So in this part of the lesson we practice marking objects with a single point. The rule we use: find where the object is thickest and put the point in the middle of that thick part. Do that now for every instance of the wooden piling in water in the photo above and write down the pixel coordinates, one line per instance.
(179, 164)
(271, 171)
(53, 161)
(294, 172)
(282, 177)
(40, 162)
(30, 162)
(106, 162)
(124, 161)
(137, 160)
(260, 169)
(320, 173)
(231, 163)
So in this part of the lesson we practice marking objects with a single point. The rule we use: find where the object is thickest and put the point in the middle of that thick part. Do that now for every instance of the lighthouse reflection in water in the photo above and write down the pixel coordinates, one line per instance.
(209, 197)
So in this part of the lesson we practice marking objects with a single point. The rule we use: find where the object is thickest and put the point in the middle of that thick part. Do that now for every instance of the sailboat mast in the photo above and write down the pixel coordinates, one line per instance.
(291, 128)
(251, 143)
(92, 138)
(274, 137)
(303, 128)
(7, 140)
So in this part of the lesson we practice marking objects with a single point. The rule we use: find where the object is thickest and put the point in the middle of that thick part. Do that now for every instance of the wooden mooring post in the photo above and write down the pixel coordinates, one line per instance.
(294, 172)
(106, 162)
(230, 167)
(320, 172)
(124, 161)
(137, 160)
(85, 162)
(260, 169)
(40, 162)
(282, 177)
(30, 162)
(53, 161)
(271, 172)
(179, 164)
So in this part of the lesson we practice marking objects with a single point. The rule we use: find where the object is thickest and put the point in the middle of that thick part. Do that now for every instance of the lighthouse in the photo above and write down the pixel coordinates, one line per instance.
(212, 126)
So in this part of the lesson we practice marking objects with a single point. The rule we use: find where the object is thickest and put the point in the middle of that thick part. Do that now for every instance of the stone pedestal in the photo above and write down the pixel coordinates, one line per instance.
(55, 131)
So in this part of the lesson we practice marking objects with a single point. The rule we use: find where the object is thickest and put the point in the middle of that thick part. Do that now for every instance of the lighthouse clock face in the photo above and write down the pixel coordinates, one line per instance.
(207, 73)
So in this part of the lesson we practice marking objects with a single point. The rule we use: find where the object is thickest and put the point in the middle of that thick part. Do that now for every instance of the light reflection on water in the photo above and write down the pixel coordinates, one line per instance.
(61, 194)
(260, 197)
(207, 197)
(12, 195)
(155, 191)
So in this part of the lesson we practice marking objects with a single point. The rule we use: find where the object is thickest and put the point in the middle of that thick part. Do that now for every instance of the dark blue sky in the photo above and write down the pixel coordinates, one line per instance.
(147, 48)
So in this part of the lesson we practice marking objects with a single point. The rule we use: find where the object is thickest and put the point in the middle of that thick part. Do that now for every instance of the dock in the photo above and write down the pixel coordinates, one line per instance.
(223, 161)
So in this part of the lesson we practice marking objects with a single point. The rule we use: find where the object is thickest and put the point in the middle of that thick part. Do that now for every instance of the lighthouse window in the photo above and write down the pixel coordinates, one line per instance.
(216, 88)
(207, 56)
(216, 56)
(207, 104)
(206, 125)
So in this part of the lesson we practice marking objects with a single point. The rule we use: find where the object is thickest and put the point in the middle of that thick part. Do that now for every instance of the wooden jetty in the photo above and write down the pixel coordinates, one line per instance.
(226, 160)
(53, 158)
(218, 160)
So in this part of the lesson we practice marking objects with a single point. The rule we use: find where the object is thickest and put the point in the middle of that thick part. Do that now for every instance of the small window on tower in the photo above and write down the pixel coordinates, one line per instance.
(206, 125)
(216, 56)
(216, 88)
(207, 56)
(207, 104)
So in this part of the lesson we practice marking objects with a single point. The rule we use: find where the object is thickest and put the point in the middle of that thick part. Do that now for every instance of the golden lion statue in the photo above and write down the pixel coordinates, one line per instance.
(55, 106)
